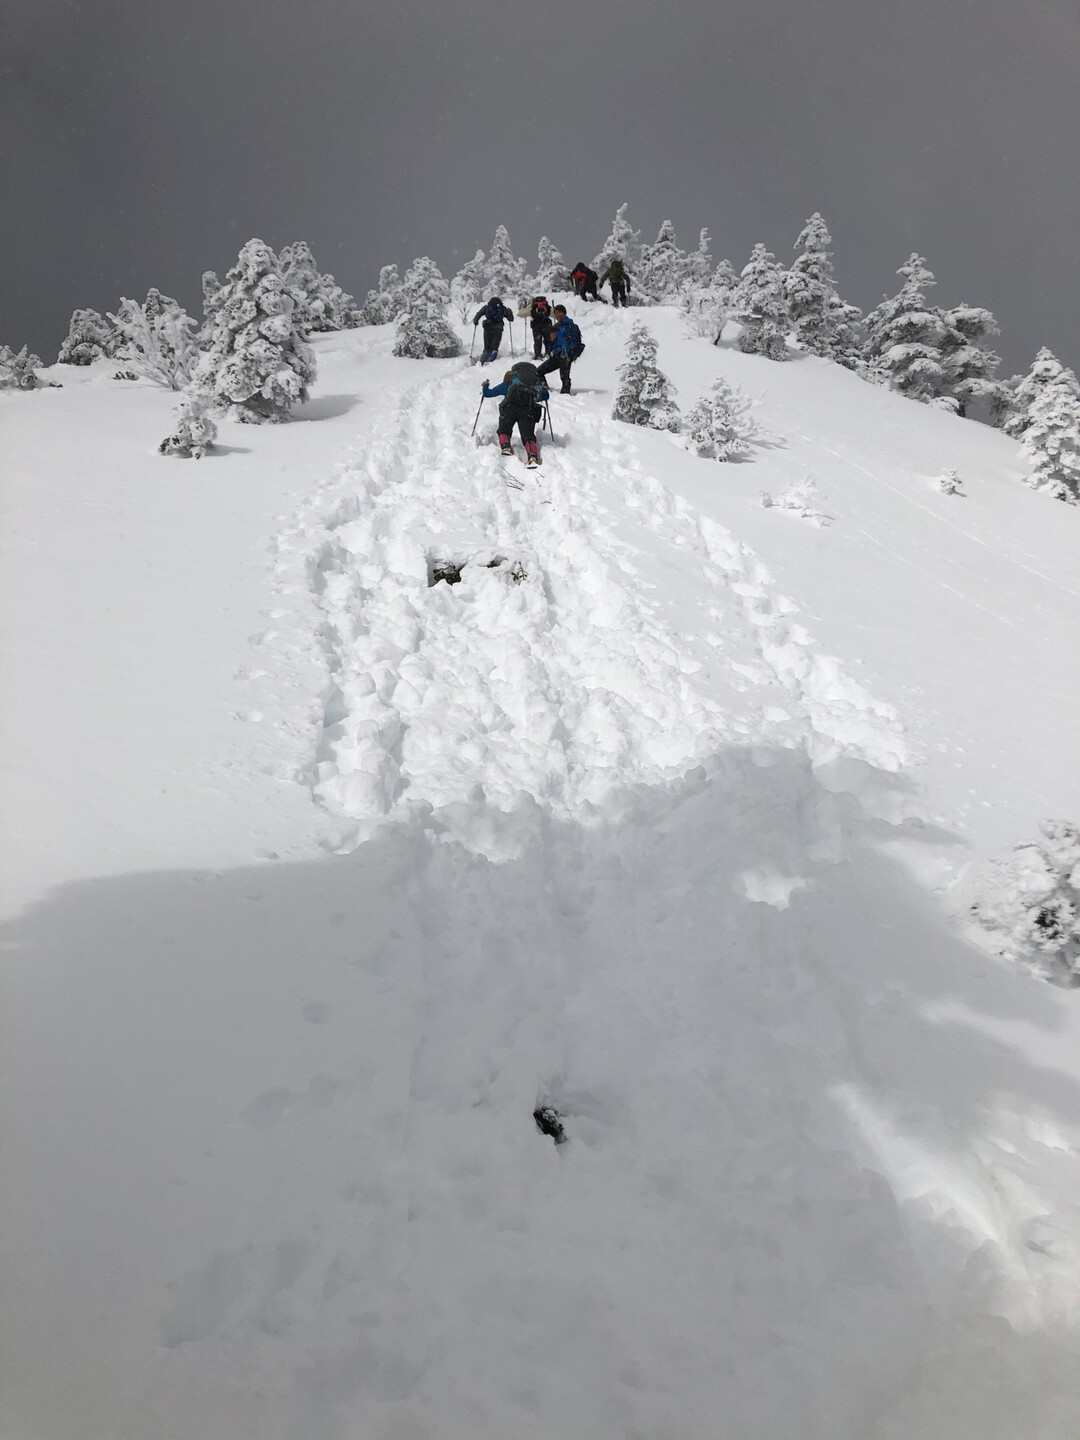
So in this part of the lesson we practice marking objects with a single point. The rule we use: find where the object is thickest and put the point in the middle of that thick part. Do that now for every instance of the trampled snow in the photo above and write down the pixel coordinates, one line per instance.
(321, 877)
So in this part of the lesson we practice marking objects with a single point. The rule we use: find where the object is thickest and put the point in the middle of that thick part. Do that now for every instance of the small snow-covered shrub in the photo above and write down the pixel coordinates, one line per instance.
(89, 337)
(422, 326)
(720, 426)
(17, 370)
(707, 304)
(157, 340)
(800, 499)
(1029, 903)
(258, 364)
(644, 394)
(949, 483)
(195, 430)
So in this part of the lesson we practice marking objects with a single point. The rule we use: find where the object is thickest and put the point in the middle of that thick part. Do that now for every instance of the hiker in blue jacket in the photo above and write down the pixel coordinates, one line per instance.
(493, 314)
(566, 346)
(524, 393)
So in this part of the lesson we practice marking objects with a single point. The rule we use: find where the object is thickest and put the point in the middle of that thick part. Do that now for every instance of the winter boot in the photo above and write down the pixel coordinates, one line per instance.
(504, 445)
(532, 455)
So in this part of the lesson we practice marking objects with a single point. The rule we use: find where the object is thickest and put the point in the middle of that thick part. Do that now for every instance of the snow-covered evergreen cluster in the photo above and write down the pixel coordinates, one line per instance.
(1029, 903)
(89, 337)
(17, 369)
(422, 326)
(321, 303)
(157, 340)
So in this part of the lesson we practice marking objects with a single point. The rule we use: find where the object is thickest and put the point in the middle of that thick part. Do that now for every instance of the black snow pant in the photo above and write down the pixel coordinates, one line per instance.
(525, 420)
(561, 363)
(618, 293)
(492, 336)
(541, 332)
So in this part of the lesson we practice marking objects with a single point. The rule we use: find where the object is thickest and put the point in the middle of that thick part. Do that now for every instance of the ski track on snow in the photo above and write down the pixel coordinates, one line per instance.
(567, 683)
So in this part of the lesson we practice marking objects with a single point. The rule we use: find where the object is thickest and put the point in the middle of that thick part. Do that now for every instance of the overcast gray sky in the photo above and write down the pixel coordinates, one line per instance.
(144, 141)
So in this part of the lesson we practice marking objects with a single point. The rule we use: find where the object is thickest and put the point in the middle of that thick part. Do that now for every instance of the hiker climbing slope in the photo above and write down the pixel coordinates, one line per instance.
(493, 314)
(618, 277)
(566, 346)
(541, 324)
(583, 278)
(524, 394)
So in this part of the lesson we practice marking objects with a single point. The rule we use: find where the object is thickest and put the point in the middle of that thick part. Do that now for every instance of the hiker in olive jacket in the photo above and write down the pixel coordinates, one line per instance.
(618, 277)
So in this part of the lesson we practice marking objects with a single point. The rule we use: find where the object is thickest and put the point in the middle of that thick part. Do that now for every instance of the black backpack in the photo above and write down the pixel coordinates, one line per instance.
(524, 386)
(494, 310)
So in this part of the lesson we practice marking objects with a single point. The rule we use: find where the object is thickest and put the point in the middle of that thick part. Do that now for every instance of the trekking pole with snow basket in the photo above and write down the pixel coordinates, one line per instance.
(478, 409)
(512, 356)
(547, 417)
(472, 347)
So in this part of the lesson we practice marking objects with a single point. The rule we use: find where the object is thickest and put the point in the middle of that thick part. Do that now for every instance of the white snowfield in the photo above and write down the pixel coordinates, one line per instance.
(321, 877)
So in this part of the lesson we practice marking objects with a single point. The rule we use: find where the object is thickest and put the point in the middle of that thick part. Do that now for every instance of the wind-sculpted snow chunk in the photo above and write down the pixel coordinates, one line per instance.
(645, 392)
(258, 365)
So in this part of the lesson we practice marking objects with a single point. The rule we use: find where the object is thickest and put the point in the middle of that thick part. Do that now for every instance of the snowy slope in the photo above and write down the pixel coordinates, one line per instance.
(320, 877)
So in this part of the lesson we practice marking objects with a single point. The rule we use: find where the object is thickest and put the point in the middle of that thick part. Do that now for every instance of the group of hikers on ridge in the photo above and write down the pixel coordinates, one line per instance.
(587, 286)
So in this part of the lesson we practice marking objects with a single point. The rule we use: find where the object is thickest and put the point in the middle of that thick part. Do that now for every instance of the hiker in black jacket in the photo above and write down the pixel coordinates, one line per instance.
(618, 277)
(542, 326)
(525, 393)
(584, 282)
(493, 314)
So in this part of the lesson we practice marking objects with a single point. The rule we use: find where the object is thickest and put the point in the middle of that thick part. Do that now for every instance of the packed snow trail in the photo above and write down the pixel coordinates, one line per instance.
(560, 665)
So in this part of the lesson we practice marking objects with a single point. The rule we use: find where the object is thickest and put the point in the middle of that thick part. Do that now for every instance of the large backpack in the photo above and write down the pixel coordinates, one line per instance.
(541, 310)
(494, 310)
(524, 386)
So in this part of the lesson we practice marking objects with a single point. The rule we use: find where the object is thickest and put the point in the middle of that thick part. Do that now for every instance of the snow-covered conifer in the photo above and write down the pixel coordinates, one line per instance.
(1051, 443)
(624, 243)
(1047, 372)
(504, 273)
(949, 483)
(551, 271)
(422, 326)
(699, 262)
(89, 337)
(720, 426)
(195, 431)
(823, 323)
(1029, 903)
(904, 337)
(321, 303)
(662, 268)
(213, 293)
(467, 286)
(385, 303)
(968, 365)
(708, 306)
(157, 339)
(760, 306)
(644, 394)
(258, 364)
(17, 369)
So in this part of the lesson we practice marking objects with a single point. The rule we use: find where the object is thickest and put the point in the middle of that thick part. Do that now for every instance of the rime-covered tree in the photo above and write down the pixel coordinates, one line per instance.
(195, 430)
(1051, 443)
(422, 326)
(968, 365)
(258, 364)
(157, 339)
(551, 271)
(624, 243)
(504, 273)
(823, 323)
(904, 338)
(467, 286)
(760, 306)
(321, 303)
(699, 262)
(384, 304)
(1046, 373)
(644, 394)
(720, 426)
(662, 267)
(17, 369)
(708, 306)
(89, 337)
(213, 293)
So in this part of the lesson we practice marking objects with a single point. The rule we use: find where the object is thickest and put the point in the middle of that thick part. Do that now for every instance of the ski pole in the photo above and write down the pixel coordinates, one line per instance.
(478, 409)
(472, 347)
(547, 417)
(512, 356)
